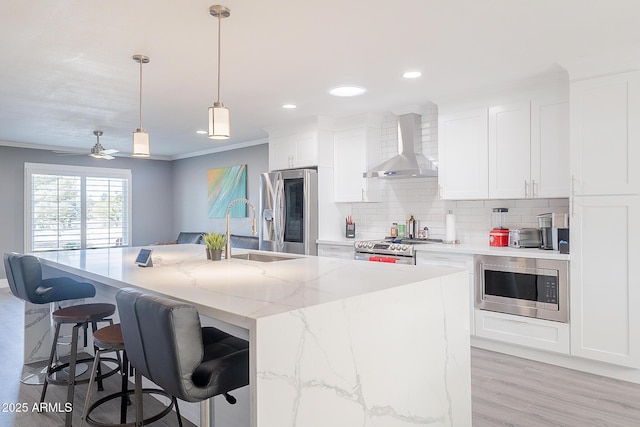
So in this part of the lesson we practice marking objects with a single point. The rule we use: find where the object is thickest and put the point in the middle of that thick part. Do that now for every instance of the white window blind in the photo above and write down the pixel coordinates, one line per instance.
(70, 207)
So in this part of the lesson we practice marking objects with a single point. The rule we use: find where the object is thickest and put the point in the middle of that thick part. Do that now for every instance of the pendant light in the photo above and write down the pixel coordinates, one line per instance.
(219, 121)
(140, 137)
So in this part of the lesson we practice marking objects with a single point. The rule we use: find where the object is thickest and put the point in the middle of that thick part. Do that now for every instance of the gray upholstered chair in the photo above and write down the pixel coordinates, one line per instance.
(244, 242)
(24, 275)
(166, 343)
(189, 237)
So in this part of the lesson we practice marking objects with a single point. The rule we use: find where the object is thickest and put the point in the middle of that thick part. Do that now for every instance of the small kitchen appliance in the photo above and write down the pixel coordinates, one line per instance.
(499, 234)
(525, 238)
(545, 225)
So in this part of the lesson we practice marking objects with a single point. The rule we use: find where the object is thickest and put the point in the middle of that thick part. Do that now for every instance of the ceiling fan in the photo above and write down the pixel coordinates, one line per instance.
(97, 151)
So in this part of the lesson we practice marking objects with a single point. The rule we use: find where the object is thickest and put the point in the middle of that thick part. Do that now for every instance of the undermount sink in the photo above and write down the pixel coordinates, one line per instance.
(260, 257)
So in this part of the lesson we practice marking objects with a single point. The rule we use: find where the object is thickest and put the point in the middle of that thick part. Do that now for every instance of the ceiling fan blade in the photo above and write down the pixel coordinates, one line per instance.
(109, 151)
(107, 157)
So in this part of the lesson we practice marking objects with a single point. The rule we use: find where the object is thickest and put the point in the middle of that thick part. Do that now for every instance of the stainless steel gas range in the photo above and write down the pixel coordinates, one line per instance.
(398, 251)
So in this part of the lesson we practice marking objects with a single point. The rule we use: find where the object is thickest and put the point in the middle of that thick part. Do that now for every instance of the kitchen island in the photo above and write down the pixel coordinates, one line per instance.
(333, 342)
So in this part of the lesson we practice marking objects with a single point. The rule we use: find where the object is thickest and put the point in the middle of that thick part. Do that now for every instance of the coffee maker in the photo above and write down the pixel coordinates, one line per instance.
(545, 225)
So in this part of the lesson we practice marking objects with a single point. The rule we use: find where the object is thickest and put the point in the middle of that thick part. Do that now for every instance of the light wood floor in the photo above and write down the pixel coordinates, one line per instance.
(506, 391)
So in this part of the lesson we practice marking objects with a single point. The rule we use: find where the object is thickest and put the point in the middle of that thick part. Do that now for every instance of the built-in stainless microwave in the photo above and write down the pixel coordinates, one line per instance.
(523, 286)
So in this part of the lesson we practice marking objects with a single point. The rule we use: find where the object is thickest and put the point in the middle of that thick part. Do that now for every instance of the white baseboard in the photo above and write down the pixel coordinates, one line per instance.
(4, 283)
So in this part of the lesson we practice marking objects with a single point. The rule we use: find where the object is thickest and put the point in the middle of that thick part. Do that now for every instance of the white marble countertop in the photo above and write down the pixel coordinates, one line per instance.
(471, 249)
(238, 291)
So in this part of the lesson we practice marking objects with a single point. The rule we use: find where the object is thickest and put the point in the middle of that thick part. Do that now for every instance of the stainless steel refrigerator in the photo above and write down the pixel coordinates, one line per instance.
(289, 211)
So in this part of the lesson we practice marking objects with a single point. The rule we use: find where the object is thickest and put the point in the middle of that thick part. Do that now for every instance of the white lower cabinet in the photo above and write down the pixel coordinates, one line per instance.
(441, 259)
(526, 331)
(335, 251)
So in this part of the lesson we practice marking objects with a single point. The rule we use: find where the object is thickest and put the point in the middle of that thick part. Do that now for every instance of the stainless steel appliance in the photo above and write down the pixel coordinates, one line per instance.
(289, 211)
(523, 286)
(385, 251)
(545, 224)
(396, 251)
(525, 238)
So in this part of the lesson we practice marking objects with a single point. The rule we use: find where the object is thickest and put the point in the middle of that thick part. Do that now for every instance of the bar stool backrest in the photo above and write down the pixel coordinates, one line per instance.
(163, 340)
(24, 275)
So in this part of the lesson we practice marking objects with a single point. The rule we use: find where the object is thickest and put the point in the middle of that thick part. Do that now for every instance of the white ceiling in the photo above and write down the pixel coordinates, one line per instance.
(66, 67)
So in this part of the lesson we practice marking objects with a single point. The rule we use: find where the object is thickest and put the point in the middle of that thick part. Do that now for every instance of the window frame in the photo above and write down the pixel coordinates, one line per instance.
(78, 171)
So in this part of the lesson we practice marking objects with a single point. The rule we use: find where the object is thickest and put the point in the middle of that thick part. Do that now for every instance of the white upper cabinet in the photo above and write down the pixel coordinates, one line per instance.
(605, 135)
(356, 150)
(529, 149)
(463, 153)
(510, 151)
(550, 171)
(305, 144)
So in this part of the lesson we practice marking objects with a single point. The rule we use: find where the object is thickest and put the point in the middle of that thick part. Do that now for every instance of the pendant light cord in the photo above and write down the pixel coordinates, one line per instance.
(219, 25)
(141, 60)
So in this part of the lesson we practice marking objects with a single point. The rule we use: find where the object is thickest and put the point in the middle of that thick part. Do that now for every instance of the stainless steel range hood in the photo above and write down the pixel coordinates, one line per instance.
(410, 162)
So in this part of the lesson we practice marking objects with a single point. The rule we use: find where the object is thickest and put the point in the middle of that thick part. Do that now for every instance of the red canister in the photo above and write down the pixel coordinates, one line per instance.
(499, 237)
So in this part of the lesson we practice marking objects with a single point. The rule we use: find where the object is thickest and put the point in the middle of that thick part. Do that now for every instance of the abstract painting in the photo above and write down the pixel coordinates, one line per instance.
(224, 186)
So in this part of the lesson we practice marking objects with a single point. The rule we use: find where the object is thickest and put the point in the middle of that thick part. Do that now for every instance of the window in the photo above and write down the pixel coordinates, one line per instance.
(71, 207)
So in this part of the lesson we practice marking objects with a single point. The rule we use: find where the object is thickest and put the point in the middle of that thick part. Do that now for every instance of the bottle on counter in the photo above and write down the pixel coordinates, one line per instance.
(394, 229)
(401, 231)
(411, 225)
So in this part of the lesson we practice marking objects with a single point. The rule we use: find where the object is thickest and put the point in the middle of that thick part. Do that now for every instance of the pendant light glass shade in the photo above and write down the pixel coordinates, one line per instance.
(219, 121)
(219, 117)
(140, 143)
(140, 137)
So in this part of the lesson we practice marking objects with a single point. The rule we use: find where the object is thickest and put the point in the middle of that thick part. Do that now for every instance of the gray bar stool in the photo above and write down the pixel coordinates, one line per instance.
(166, 343)
(24, 275)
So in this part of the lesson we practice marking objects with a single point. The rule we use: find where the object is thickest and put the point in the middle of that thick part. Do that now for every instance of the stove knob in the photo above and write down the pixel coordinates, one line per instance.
(405, 247)
(370, 245)
(358, 244)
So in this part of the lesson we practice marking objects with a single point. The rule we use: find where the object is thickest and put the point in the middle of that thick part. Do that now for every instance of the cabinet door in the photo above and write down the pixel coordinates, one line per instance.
(605, 135)
(352, 151)
(605, 283)
(281, 152)
(510, 151)
(335, 251)
(306, 150)
(462, 151)
(550, 175)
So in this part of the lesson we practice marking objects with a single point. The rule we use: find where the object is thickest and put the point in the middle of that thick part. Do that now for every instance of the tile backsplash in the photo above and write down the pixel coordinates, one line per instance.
(419, 197)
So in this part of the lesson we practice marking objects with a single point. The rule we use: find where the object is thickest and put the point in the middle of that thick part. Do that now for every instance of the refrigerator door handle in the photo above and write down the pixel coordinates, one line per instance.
(279, 214)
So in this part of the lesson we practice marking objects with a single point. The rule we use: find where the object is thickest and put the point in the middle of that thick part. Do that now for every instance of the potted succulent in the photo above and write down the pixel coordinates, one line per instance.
(215, 245)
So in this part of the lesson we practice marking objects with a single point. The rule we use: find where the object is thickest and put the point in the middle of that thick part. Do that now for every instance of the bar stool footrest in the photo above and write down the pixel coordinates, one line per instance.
(120, 394)
(62, 366)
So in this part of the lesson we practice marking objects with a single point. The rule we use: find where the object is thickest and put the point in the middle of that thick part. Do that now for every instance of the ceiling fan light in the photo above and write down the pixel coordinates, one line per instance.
(140, 143)
(219, 122)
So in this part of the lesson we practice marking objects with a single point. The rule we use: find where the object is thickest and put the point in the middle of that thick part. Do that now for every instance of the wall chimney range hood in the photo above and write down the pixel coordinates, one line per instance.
(410, 162)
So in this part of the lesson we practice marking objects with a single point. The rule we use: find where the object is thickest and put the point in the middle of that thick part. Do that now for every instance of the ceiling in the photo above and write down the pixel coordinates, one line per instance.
(66, 67)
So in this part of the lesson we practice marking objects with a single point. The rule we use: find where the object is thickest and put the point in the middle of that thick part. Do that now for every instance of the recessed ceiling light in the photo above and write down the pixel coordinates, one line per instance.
(202, 132)
(289, 106)
(347, 91)
(412, 74)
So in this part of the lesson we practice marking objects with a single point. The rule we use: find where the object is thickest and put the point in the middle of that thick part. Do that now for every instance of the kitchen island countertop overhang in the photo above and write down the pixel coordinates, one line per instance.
(332, 342)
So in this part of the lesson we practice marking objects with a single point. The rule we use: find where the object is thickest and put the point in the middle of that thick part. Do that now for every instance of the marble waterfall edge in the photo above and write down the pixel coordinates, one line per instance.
(397, 357)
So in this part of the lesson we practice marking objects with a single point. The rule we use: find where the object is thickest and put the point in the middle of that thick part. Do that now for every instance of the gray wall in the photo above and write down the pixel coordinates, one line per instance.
(190, 188)
(151, 185)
